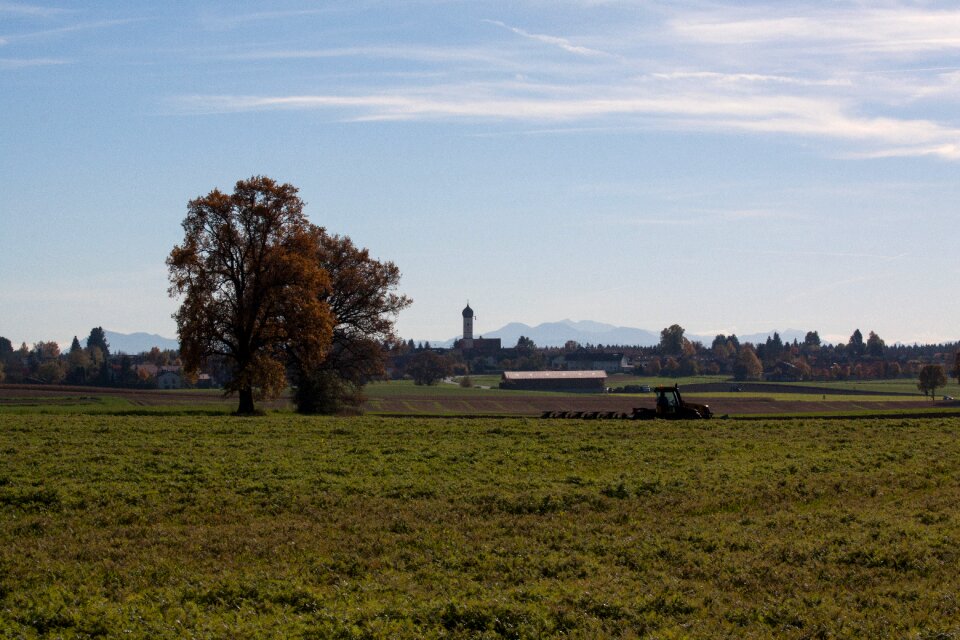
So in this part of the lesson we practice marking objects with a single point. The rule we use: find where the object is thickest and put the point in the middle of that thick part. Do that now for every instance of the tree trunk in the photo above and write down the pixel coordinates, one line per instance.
(246, 402)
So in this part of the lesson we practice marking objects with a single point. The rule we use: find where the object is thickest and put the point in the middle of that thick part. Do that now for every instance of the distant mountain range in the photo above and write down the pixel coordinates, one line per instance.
(134, 343)
(548, 334)
(556, 334)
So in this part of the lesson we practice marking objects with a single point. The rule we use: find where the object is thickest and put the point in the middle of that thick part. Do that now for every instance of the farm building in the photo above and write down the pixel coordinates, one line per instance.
(583, 381)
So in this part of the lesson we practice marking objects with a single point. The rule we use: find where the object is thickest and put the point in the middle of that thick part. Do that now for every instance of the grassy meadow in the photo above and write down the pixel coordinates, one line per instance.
(174, 526)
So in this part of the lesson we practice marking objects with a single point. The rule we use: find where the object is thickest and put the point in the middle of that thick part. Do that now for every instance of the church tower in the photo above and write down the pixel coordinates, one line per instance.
(467, 328)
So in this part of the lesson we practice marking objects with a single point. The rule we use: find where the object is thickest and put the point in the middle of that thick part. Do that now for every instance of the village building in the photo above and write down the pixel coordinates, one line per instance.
(476, 347)
(168, 378)
(579, 381)
(163, 377)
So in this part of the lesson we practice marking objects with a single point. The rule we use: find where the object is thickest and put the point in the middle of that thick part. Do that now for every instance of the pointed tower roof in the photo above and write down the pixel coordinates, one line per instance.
(468, 312)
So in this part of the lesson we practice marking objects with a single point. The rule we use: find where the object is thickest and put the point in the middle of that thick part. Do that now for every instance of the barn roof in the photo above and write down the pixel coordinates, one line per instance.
(554, 375)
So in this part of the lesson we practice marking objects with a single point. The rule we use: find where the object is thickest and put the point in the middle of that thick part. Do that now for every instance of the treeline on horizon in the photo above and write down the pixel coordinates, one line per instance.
(93, 364)
(862, 358)
(675, 356)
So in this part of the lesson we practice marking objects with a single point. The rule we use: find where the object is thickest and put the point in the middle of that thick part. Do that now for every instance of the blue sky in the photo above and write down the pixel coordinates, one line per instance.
(731, 167)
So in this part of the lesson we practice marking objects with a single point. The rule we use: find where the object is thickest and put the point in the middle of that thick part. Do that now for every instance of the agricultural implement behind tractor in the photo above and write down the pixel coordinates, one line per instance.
(670, 406)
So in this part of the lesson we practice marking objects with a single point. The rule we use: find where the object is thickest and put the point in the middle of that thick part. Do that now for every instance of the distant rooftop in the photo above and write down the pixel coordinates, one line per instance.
(553, 375)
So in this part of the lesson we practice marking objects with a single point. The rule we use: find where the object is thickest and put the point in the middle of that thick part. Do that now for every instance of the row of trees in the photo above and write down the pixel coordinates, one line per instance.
(92, 365)
(44, 363)
(810, 359)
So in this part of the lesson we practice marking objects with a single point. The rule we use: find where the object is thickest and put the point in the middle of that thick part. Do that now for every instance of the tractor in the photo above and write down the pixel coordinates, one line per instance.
(672, 406)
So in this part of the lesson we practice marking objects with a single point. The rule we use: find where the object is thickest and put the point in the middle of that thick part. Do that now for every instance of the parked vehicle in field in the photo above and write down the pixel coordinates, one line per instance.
(670, 406)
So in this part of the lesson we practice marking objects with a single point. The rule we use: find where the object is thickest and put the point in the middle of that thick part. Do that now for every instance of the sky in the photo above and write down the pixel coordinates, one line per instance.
(732, 167)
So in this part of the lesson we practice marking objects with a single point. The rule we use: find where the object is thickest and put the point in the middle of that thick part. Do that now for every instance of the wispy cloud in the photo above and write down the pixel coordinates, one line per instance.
(691, 70)
(29, 10)
(15, 63)
(420, 53)
(694, 109)
(555, 41)
(83, 26)
(819, 291)
(949, 151)
(840, 283)
(897, 30)
(212, 21)
(751, 78)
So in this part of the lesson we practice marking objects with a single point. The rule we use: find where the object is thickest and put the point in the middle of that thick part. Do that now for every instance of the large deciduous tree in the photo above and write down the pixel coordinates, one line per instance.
(364, 304)
(671, 340)
(249, 278)
(748, 365)
(931, 378)
(428, 368)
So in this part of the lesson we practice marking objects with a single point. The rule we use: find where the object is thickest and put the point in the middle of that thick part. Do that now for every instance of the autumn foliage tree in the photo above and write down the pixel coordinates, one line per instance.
(250, 281)
(364, 304)
(748, 365)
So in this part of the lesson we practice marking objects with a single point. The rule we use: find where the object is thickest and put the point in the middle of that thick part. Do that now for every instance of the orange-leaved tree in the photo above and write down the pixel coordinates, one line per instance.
(249, 279)
(363, 301)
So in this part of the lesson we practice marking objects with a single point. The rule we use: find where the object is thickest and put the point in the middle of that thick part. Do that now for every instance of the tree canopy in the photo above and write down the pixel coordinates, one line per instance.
(671, 340)
(748, 366)
(931, 378)
(98, 338)
(875, 345)
(855, 345)
(251, 285)
(364, 305)
(428, 368)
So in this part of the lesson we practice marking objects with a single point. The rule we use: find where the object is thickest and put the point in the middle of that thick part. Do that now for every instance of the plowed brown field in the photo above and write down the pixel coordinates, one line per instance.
(421, 402)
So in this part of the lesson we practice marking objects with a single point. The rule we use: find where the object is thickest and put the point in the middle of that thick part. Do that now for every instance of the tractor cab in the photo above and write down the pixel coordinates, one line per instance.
(668, 400)
(671, 405)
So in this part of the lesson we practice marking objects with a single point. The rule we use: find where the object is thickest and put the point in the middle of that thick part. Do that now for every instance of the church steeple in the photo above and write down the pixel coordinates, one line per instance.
(467, 326)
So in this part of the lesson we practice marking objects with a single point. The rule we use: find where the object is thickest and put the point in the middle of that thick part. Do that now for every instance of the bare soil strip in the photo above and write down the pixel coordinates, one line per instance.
(512, 403)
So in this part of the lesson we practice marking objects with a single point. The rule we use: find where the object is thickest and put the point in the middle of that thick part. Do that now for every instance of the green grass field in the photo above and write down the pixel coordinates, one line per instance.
(408, 388)
(895, 386)
(172, 526)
